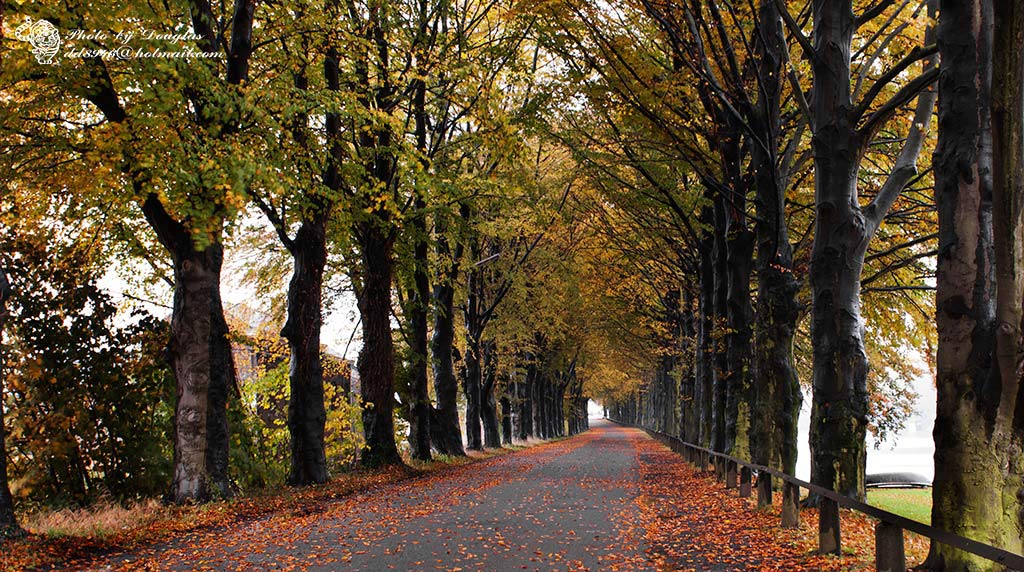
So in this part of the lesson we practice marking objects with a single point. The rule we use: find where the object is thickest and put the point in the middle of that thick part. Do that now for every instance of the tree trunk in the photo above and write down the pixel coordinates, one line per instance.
(446, 436)
(557, 409)
(1006, 436)
(376, 359)
(979, 174)
(223, 382)
(506, 420)
(488, 404)
(540, 404)
(560, 404)
(306, 413)
(420, 408)
(842, 232)
(552, 407)
(525, 396)
(199, 352)
(474, 361)
(840, 405)
(740, 316)
(471, 374)
(200, 355)
(689, 408)
(720, 298)
(704, 387)
(537, 397)
(776, 386)
(8, 520)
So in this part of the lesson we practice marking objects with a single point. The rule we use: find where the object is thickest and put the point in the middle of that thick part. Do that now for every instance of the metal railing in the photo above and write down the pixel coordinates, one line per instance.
(889, 551)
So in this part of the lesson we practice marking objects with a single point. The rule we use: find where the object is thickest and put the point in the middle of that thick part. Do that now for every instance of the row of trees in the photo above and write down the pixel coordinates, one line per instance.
(787, 147)
(680, 208)
(393, 148)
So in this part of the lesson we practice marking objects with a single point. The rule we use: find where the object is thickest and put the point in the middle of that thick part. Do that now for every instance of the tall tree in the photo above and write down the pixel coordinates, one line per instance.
(311, 199)
(979, 171)
(842, 131)
(776, 389)
(420, 409)
(377, 141)
(186, 207)
(446, 433)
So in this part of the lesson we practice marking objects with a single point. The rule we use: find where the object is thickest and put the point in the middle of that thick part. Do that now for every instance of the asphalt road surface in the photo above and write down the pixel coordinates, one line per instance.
(569, 505)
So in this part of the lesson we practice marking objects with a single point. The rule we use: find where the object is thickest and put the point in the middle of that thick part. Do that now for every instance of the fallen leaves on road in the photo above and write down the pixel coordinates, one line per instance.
(495, 513)
(39, 551)
(693, 523)
(461, 525)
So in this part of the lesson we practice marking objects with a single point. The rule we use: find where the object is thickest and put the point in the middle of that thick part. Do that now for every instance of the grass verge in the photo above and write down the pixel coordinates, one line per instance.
(915, 504)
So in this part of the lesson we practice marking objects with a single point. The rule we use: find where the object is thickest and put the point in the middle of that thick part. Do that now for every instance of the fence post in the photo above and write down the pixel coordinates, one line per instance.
(730, 474)
(889, 554)
(764, 489)
(828, 527)
(790, 505)
(744, 482)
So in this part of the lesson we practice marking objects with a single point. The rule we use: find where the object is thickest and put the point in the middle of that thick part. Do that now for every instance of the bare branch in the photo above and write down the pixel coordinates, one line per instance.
(874, 12)
(794, 29)
(917, 54)
(906, 94)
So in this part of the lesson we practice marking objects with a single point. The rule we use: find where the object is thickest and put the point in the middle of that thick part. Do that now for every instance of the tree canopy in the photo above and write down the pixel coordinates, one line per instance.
(697, 214)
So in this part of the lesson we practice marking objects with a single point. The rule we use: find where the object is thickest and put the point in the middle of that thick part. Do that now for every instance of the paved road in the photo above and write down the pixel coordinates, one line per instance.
(563, 506)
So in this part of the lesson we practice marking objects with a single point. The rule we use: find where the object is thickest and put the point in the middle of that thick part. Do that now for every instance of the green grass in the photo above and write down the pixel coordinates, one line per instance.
(915, 504)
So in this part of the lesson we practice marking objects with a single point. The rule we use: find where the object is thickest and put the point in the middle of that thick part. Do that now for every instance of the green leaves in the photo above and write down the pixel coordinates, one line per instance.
(89, 401)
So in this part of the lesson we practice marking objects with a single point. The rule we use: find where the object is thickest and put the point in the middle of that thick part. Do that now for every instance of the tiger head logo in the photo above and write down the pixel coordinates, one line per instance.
(44, 37)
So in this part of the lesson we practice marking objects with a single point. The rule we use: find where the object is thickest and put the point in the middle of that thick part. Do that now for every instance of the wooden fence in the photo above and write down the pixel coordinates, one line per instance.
(889, 552)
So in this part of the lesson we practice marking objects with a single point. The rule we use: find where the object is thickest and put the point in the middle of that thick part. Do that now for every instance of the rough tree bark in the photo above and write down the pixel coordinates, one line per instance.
(524, 395)
(979, 174)
(1007, 433)
(688, 388)
(306, 413)
(199, 352)
(740, 320)
(376, 358)
(375, 234)
(840, 370)
(776, 387)
(446, 436)
(719, 298)
(540, 403)
(200, 355)
(471, 374)
(488, 403)
(704, 388)
(473, 361)
(420, 406)
(507, 431)
(842, 232)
